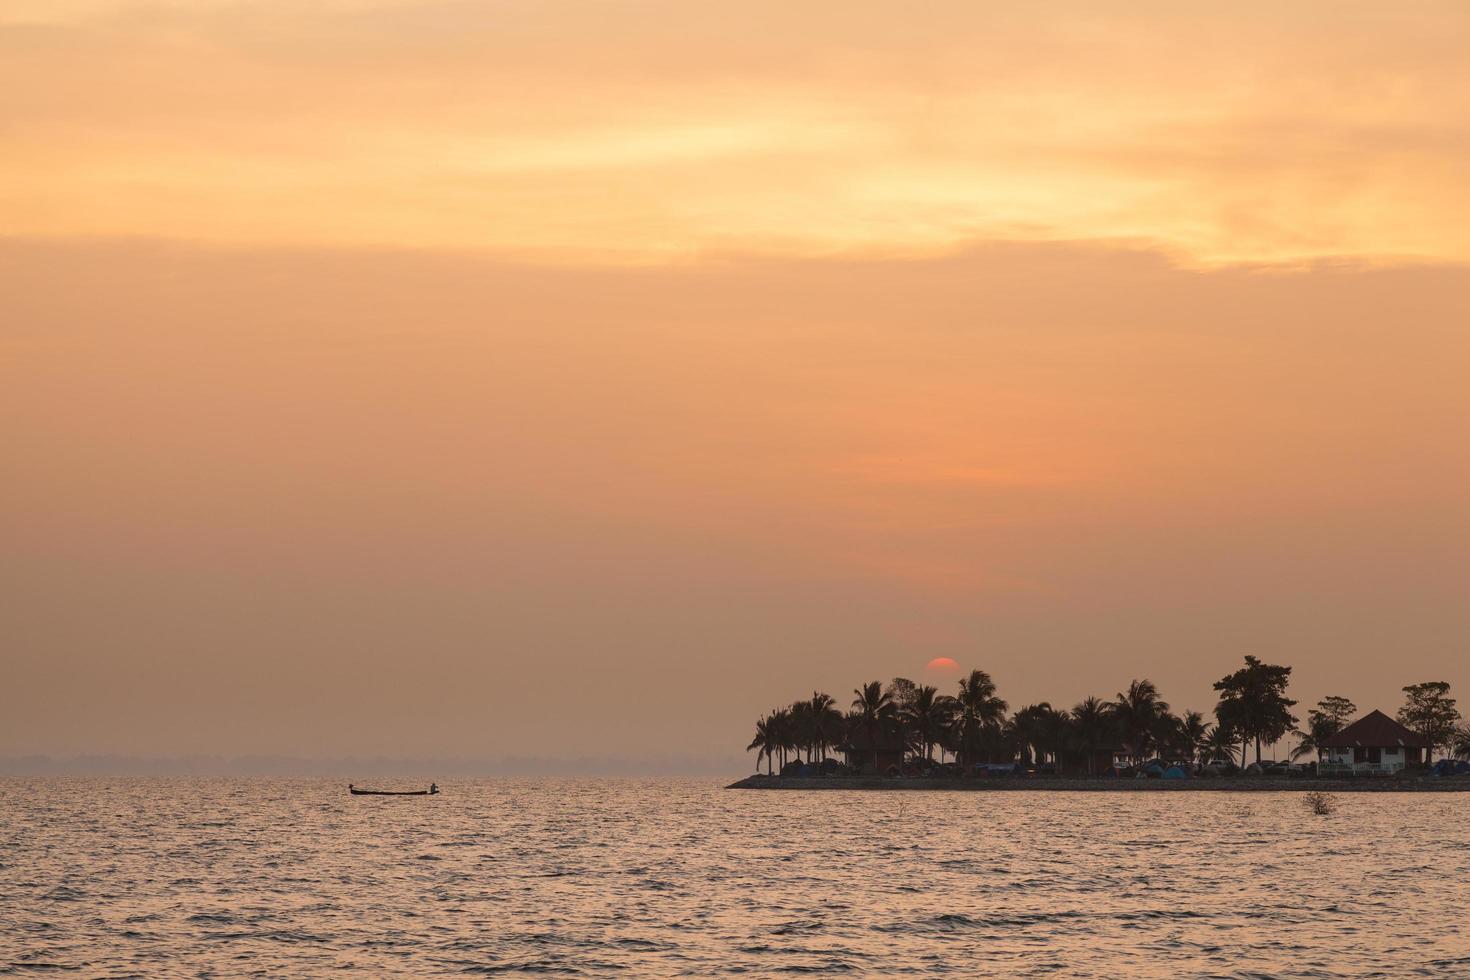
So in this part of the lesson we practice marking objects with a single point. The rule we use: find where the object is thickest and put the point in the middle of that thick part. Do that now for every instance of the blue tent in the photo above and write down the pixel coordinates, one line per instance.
(1174, 772)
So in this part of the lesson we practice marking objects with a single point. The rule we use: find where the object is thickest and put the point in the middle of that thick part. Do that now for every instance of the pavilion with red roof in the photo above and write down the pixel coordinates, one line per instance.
(1373, 744)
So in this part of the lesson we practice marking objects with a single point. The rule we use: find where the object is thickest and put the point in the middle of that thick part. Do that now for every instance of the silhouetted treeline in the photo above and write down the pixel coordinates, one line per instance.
(911, 725)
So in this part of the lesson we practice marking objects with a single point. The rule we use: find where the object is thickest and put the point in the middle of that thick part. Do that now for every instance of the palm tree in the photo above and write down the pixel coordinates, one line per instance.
(783, 732)
(1137, 711)
(1052, 729)
(980, 714)
(1323, 722)
(928, 717)
(872, 701)
(903, 692)
(1165, 735)
(764, 741)
(1192, 733)
(803, 727)
(1219, 744)
(1031, 728)
(874, 711)
(1319, 729)
(1460, 744)
(949, 741)
(826, 722)
(1093, 726)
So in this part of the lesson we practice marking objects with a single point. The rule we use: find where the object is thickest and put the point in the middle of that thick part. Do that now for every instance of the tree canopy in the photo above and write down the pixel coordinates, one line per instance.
(905, 722)
(1429, 710)
(1253, 703)
(1323, 721)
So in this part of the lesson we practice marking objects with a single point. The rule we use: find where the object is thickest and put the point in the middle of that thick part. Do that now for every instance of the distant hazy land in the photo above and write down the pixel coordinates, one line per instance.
(427, 767)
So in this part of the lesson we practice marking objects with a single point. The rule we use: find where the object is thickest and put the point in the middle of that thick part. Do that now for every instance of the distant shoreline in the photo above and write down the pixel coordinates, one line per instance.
(1238, 784)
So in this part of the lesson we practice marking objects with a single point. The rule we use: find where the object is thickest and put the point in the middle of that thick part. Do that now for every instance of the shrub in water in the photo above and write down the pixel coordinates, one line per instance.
(1319, 803)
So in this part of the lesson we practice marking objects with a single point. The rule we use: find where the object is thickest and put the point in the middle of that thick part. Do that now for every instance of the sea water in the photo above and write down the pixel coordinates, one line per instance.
(270, 877)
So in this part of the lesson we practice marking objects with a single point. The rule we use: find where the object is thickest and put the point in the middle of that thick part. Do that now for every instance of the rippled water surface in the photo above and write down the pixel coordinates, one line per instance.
(156, 878)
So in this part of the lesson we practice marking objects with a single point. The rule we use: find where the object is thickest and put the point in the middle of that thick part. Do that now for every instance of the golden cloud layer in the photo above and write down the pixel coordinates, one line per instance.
(653, 130)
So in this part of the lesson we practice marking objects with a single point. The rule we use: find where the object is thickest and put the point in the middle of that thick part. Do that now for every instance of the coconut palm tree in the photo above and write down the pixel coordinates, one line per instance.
(1164, 735)
(783, 732)
(872, 701)
(1323, 722)
(1219, 744)
(1093, 729)
(874, 712)
(1031, 728)
(764, 741)
(1043, 729)
(1460, 745)
(826, 722)
(928, 717)
(903, 693)
(1137, 711)
(949, 742)
(981, 715)
(803, 728)
(1192, 733)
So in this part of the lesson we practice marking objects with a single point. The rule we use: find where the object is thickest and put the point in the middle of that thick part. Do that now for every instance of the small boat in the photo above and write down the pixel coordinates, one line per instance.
(433, 790)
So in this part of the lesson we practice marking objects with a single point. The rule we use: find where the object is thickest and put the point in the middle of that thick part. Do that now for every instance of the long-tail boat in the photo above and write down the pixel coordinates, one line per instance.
(433, 790)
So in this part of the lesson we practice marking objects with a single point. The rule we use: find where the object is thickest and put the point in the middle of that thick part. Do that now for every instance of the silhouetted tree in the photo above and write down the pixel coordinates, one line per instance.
(1219, 744)
(1429, 710)
(1337, 708)
(1056, 734)
(874, 709)
(1137, 711)
(1192, 734)
(1165, 736)
(826, 722)
(803, 728)
(981, 714)
(1460, 746)
(765, 742)
(1031, 728)
(1094, 729)
(1254, 704)
(903, 692)
(783, 732)
(929, 716)
(1323, 722)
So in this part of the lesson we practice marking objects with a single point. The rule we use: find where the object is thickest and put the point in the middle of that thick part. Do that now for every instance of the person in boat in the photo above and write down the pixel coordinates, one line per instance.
(433, 788)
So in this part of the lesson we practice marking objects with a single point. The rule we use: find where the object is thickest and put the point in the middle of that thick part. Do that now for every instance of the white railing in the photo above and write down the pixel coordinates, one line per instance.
(1358, 768)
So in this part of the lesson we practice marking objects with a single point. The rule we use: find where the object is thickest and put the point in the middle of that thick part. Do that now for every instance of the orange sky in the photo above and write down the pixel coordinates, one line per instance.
(653, 130)
(584, 378)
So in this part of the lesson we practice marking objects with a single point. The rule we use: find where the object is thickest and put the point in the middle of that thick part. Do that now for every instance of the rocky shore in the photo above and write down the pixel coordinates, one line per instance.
(1237, 784)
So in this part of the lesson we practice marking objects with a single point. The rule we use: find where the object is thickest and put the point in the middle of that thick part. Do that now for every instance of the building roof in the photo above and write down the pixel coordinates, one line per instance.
(1375, 730)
